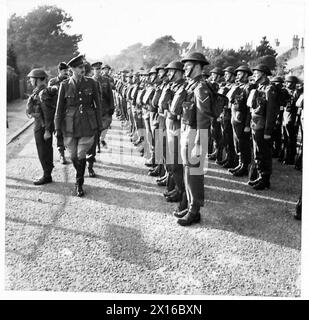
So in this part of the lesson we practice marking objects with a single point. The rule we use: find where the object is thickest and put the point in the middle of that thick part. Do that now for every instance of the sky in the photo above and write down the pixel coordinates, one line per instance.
(108, 26)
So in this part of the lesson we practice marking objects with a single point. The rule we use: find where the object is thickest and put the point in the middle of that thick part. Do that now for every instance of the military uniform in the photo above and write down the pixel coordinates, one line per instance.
(289, 128)
(264, 109)
(226, 125)
(38, 106)
(300, 123)
(55, 82)
(196, 121)
(171, 101)
(78, 117)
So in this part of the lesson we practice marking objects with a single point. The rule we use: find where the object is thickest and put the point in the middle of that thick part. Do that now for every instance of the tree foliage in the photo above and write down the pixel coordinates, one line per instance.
(40, 38)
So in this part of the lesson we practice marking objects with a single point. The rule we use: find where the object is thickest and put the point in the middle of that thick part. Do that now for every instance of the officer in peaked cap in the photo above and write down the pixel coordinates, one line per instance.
(39, 108)
(78, 116)
(77, 61)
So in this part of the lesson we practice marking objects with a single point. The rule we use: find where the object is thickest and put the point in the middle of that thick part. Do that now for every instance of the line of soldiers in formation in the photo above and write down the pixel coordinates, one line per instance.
(177, 115)
(260, 119)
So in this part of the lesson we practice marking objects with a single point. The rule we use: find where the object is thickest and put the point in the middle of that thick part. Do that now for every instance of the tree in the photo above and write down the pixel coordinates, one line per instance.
(12, 58)
(265, 49)
(162, 50)
(40, 37)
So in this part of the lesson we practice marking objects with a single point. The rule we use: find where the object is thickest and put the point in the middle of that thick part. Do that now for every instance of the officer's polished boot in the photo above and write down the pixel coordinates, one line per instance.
(43, 180)
(242, 171)
(192, 216)
(264, 183)
(81, 166)
(90, 170)
(180, 214)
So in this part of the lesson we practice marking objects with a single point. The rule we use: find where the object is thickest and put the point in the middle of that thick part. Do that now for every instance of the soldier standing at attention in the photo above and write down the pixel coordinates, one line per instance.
(63, 74)
(196, 121)
(78, 117)
(216, 134)
(264, 109)
(225, 118)
(289, 116)
(107, 99)
(238, 96)
(43, 113)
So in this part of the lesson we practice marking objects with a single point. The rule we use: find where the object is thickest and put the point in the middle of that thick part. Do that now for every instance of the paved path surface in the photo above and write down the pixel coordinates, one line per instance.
(122, 238)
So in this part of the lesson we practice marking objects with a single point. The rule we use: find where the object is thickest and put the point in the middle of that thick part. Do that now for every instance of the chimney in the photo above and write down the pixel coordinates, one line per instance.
(295, 42)
(277, 42)
(199, 44)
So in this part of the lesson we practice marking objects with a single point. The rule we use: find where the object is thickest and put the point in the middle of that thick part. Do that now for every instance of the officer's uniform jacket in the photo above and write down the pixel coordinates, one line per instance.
(264, 107)
(106, 94)
(41, 107)
(78, 112)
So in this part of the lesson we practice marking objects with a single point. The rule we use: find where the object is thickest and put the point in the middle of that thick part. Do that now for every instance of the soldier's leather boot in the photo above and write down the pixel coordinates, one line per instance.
(230, 164)
(241, 172)
(264, 183)
(80, 172)
(174, 198)
(235, 169)
(222, 162)
(162, 183)
(180, 214)
(212, 156)
(156, 172)
(252, 183)
(90, 170)
(170, 193)
(192, 216)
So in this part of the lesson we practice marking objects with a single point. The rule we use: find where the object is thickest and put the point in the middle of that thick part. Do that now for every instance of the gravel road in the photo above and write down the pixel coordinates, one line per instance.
(122, 238)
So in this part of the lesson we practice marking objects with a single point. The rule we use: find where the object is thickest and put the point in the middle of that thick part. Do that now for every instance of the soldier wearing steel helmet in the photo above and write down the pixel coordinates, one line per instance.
(196, 120)
(39, 107)
(171, 104)
(216, 134)
(148, 114)
(225, 120)
(289, 116)
(78, 116)
(282, 96)
(106, 69)
(238, 96)
(264, 109)
(158, 127)
(63, 70)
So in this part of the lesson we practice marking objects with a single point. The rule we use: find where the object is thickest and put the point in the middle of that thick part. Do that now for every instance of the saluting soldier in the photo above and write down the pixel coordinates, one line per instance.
(264, 109)
(196, 121)
(238, 96)
(78, 116)
(63, 70)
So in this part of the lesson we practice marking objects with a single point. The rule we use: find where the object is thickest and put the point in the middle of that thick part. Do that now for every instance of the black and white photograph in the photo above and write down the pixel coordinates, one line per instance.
(154, 148)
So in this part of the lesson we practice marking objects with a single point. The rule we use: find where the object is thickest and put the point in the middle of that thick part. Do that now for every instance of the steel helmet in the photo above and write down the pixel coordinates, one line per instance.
(161, 66)
(217, 70)
(153, 70)
(229, 69)
(244, 68)
(37, 73)
(175, 65)
(277, 79)
(106, 66)
(195, 56)
(291, 79)
(263, 68)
